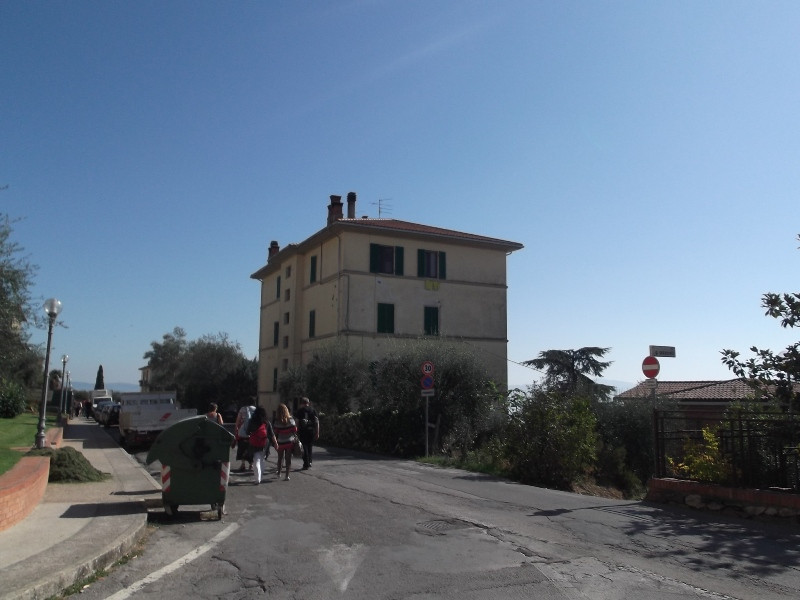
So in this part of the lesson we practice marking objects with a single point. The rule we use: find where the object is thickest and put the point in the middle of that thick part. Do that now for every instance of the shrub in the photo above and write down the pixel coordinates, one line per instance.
(12, 399)
(550, 439)
(702, 460)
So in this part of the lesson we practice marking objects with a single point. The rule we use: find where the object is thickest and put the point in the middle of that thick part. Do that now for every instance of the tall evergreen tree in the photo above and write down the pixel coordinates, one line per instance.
(568, 371)
(99, 383)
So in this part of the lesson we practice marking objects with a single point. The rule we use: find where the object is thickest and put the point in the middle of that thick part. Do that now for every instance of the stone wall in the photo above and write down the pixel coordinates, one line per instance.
(748, 503)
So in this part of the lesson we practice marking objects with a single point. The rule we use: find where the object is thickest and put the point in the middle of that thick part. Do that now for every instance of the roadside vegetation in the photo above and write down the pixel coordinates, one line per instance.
(566, 432)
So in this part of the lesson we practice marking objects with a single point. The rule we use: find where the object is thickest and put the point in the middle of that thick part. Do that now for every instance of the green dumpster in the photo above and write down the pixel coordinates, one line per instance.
(195, 463)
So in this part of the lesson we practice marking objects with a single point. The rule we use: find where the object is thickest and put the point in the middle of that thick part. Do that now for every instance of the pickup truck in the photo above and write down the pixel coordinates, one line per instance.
(143, 415)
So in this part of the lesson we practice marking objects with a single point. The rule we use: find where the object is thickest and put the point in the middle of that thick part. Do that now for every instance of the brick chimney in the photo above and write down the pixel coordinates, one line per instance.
(274, 248)
(335, 209)
(351, 205)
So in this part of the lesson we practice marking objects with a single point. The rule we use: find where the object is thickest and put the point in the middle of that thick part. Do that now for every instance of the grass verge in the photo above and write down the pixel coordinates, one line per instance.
(19, 433)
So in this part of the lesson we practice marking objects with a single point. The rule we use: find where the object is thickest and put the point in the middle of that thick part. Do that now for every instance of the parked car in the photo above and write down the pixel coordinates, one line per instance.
(98, 410)
(111, 419)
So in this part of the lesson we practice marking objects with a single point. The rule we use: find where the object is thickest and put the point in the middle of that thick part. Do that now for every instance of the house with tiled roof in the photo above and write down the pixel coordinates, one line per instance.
(370, 281)
(709, 396)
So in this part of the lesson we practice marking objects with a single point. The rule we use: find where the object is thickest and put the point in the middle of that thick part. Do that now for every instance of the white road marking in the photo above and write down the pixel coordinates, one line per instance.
(341, 562)
(175, 565)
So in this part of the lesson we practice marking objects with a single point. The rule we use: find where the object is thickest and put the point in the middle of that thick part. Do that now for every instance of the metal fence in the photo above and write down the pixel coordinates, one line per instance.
(752, 451)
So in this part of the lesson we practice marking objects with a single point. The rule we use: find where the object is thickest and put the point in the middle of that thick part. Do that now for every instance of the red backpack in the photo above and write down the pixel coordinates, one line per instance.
(258, 439)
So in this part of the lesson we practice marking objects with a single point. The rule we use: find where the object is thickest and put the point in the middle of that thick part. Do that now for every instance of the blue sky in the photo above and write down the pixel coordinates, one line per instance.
(645, 153)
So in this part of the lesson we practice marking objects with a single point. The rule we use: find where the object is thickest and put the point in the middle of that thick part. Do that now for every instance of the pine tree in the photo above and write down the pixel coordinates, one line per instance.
(99, 383)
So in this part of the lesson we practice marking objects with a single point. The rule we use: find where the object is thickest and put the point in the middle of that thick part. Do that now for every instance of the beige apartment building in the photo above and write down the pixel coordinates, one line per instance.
(371, 280)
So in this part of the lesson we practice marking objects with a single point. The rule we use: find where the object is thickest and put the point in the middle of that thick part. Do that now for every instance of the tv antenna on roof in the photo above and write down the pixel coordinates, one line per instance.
(383, 206)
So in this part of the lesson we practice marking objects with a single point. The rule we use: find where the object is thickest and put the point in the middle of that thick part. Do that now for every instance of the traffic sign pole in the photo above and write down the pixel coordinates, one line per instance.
(426, 383)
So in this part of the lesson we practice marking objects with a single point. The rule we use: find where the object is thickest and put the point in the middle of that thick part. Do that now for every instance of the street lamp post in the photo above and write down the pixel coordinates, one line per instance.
(52, 307)
(62, 398)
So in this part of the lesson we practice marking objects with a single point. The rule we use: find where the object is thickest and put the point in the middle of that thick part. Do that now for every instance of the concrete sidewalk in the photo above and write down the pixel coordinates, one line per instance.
(78, 528)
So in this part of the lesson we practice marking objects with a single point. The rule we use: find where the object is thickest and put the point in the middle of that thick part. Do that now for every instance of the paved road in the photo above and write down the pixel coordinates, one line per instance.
(359, 527)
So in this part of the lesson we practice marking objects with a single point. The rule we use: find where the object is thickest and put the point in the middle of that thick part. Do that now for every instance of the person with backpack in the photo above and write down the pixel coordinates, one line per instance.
(261, 434)
(243, 454)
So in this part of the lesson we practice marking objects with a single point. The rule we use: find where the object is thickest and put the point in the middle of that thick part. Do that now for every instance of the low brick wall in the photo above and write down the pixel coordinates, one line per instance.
(749, 503)
(23, 487)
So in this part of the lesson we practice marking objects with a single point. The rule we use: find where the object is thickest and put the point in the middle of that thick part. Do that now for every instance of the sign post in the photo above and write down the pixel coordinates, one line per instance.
(427, 391)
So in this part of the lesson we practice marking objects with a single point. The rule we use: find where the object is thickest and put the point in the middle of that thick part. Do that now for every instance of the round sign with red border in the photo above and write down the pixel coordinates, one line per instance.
(427, 368)
(650, 367)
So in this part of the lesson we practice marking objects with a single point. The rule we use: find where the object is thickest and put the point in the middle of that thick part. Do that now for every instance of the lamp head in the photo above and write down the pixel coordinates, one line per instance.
(52, 307)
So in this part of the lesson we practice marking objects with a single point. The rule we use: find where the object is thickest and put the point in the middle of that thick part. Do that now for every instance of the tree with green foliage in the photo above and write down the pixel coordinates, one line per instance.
(334, 378)
(20, 362)
(206, 371)
(550, 438)
(164, 360)
(209, 369)
(384, 396)
(99, 380)
(776, 375)
(569, 371)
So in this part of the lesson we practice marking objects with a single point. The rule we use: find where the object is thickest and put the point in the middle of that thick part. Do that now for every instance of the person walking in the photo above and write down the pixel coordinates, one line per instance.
(243, 452)
(285, 430)
(307, 429)
(259, 439)
(212, 414)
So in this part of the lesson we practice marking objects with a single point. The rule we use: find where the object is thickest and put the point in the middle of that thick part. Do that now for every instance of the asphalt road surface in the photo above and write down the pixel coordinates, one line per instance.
(363, 527)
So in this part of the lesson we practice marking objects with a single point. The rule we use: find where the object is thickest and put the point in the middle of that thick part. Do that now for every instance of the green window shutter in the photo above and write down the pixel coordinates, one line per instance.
(398, 260)
(374, 258)
(312, 323)
(431, 320)
(313, 269)
(278, 286)
(442, 266)
(275, 334)
(385, 318)
(420, 263)
(274, 380)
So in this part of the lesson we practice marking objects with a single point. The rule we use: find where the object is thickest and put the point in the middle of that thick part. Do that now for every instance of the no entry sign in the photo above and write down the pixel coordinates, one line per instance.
(650, 367)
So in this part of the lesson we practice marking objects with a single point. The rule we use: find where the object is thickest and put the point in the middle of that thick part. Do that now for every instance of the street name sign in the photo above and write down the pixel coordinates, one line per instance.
(663, 351)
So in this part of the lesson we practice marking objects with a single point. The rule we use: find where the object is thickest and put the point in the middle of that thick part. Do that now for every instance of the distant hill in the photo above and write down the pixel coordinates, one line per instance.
(114, 387)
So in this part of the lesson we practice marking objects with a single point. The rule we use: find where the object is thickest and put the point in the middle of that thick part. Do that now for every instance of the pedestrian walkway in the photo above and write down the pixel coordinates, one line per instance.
(78, 528)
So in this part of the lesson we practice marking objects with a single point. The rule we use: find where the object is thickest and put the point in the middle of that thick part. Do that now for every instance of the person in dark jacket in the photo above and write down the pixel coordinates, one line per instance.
(307, 429)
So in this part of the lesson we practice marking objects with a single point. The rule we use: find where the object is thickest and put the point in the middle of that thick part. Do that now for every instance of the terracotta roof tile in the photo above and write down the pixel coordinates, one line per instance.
(409, 227)
(728, 390)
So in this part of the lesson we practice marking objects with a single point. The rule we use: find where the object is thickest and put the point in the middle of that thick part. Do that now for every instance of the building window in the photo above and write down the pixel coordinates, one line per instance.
(275, 380)
(385, 318)
(431, 320)
(288, 271)
(285, 364)
(278, 288)
(275, 333)
(312, 323)
(431, 264)
(287, 295)
(313, 270)
(286, 318)
(286, 341)
(386, 259)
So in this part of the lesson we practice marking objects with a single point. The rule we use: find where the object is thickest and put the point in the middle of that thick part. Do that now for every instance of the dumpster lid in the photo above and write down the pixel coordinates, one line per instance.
(191, 441)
